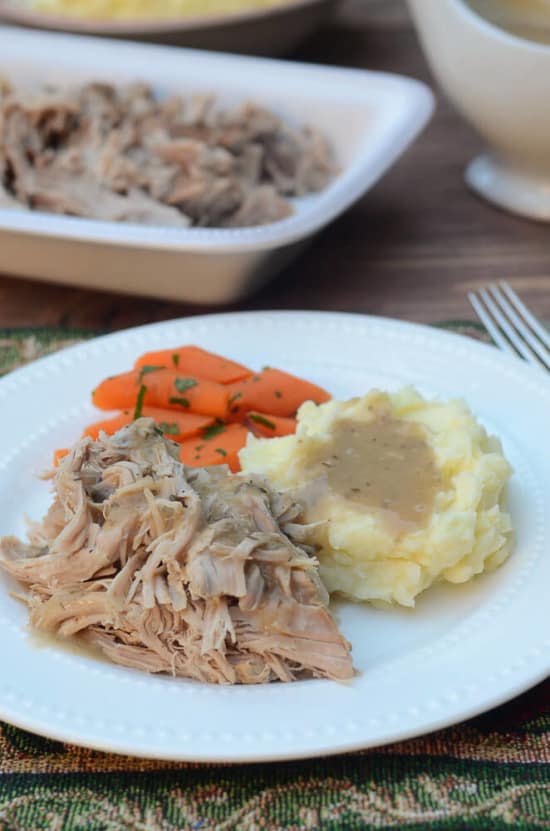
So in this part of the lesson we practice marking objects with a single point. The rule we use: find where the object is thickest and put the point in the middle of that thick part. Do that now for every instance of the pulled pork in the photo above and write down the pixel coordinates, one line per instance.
(120, 154)
(167, 569)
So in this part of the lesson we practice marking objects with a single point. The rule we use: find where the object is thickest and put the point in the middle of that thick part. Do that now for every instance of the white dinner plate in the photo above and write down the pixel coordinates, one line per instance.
(463, 650)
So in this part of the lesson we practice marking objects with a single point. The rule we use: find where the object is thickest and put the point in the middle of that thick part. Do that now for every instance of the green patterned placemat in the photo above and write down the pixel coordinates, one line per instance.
(487, 774)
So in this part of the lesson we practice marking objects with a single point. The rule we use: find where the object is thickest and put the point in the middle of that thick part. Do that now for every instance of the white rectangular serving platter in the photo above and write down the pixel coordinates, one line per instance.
(369, 117)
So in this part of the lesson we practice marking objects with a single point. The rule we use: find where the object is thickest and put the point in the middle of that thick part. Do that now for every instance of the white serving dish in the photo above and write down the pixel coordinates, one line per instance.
(369, 117)
(266, 31)
(500, 82)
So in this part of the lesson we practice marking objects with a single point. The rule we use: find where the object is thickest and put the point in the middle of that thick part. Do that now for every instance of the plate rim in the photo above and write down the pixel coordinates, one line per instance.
(469, 710)
(375, 320)
(120, 748)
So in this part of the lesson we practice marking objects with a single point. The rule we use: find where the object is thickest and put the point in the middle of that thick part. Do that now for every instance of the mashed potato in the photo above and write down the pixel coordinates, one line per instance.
(423, 500)
(149, 8)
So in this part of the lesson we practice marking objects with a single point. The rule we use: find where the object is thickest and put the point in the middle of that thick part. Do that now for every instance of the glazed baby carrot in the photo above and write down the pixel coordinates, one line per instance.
(176, 426)
(272, 391)
(193, 360)
(159, 387)
(60, 454)
(219, 445)
(270, 426)
(109, 426)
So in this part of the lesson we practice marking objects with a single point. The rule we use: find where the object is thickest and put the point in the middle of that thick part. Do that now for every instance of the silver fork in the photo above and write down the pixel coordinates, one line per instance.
(512, 326)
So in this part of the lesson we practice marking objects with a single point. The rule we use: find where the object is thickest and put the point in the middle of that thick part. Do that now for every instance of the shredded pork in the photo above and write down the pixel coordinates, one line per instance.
(167, 569)
(120, 154)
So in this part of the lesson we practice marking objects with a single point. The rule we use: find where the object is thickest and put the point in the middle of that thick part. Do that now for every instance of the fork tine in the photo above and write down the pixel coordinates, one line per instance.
(539, 330)
(515, 339)
(489, 324)
(515, 319)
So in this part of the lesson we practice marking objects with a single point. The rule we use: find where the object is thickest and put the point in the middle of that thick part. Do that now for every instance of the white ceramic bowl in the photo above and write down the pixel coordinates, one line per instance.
(267, 31)
(501, 85)
(370, 118)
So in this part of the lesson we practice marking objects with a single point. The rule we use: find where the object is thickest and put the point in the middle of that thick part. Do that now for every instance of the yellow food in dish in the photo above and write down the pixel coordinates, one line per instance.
(126, 9)
(407, 492)
(526, 18)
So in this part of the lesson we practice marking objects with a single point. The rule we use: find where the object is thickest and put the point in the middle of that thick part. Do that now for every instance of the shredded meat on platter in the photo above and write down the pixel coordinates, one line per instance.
(120, 154)
(192, 572)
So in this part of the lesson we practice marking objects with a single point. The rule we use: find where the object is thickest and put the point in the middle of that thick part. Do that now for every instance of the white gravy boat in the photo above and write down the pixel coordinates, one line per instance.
(501, 84)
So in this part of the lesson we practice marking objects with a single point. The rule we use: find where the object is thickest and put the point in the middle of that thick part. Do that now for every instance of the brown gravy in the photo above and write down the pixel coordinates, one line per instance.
(384, 464)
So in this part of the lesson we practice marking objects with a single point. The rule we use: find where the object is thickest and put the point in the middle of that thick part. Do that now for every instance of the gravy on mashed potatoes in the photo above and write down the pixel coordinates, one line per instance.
(406, 492)
(384, 463)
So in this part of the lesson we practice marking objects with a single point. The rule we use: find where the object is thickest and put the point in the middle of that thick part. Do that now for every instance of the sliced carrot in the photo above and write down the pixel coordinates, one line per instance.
(151, 386)
(60, 454)
(193, 360)
(220, 445)
(272, 391)
(176, 426)
(269, 426)
(110, 426)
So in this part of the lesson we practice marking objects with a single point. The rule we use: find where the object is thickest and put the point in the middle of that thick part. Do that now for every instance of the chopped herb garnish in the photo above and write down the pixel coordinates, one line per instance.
(212, 431)
(235, 410)
(256, 378)
(221, 451)
(139, 403)
(158, 431)
(265, 368)
(145, 370)
(183, 402)
(176, 359)
(260, 419)
(184, 384)
(169, 427)
(199, 447)
(235, 397)
(278, 394)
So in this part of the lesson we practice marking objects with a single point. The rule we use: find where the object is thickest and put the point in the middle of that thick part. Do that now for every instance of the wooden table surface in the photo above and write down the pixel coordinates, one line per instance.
(410, 249)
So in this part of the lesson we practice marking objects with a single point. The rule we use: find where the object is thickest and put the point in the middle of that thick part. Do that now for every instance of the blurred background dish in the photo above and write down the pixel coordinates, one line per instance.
(132, 9)
(273, 28)
(369, 118)
(500, 82)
